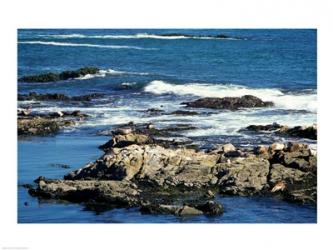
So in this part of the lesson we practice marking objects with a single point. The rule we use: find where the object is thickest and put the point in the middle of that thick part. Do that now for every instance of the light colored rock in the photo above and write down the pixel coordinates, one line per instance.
(228, 148)
(188, 211)
(124, 131)
(277, 146)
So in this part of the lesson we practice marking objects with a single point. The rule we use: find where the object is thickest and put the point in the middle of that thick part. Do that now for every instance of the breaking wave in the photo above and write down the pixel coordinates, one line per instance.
(85, 45)
(297, 101)
(141, 36)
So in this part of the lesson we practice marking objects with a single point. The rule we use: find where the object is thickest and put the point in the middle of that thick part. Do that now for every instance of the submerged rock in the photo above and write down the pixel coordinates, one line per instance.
(65, 75)
(231, 103)
(184, 112)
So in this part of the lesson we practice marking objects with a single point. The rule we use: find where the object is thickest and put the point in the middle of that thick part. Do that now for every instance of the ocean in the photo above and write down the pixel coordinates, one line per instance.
(147, 69)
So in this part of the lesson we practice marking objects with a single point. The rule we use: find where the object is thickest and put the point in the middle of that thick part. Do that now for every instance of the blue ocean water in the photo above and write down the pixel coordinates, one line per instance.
(143, 69)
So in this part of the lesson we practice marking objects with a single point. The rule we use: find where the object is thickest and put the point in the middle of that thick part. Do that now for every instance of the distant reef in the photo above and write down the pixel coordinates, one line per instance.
(65, 75)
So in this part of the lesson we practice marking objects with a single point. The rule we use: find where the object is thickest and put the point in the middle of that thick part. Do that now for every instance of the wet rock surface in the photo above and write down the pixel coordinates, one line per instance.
(65, 75)
(230, 103)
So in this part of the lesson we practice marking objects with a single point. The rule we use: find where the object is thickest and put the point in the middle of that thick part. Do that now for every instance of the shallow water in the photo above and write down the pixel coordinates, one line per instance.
(141, 69)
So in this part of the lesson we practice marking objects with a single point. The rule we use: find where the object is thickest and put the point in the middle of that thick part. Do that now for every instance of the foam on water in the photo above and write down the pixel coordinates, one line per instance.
(85, 45)
(137, 36)
(108, 72)
(281, 100)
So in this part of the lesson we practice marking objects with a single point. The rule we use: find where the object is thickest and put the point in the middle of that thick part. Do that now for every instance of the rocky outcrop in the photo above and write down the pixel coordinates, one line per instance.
(309, 132)
(243, 176)
(65, 75)
(230, 103)
(33, 96)
(34, 124)
(182, 181)
(152, 164)
(113, 193)
(141, 134)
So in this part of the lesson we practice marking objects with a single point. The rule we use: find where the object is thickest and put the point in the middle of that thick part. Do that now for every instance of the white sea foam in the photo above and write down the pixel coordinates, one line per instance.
(52, 43)
(107, 72)
(281, 100)
(136, 36)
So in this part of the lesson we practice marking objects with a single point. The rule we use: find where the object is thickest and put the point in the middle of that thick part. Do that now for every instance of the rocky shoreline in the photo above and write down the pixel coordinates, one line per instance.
(41, 124)
(161, 172)
(135, 171)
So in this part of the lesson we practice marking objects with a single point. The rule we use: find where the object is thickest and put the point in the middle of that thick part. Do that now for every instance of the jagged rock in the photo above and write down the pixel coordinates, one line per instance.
(113, 193)
(300, 159)
(279, 173)
(121, 140)
(244, 177)
(231, 103)
(153, 164)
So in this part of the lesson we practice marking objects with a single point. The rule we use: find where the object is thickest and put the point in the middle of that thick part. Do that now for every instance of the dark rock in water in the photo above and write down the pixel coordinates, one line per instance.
(154, 111)
(28, 186)
(211, 208)
(184, 112)
(48, 77)
(222, 36)
(26, 204)
(231, 103)
(33, 96)
(176, 34)
(65, 75)
(308, 132)
(269, 127)
(60, 165)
